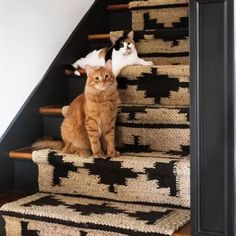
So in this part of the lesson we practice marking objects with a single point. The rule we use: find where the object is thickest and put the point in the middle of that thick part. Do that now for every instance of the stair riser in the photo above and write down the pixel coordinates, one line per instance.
(130, 139)
(162, 16)
(120, 20)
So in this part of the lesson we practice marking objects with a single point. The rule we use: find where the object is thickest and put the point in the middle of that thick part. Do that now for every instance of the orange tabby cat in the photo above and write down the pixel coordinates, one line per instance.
(91, 117)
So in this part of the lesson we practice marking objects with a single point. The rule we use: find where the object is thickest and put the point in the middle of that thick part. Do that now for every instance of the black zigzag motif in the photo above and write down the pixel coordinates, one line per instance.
(152, 23)
(47, 200)
(185, 151)
(26, 232)
(164, 34)
(83, 209)
(185, 111)
(114, 175)
(61, 168)
(149, 217)
(156, 86)
(164, 174)
(131, 111)
(83, 233)
(136, 147)
(89, 209)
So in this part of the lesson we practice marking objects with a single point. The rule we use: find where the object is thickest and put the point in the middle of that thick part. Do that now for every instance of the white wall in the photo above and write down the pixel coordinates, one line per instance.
(31, 34)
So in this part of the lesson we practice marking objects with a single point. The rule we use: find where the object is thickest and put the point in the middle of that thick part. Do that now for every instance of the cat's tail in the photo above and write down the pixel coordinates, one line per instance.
(71, 70)
(52, 144)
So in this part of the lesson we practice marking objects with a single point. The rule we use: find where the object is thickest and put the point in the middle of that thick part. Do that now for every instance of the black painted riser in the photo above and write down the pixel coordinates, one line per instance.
(120, 20)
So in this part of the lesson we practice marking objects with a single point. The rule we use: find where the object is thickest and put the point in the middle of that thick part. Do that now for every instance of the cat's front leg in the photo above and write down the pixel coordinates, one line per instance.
(94, 137)
(109, 136)
(142, 62)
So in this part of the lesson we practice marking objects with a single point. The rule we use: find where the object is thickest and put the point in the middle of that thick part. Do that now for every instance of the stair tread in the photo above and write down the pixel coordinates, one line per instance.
(57, 109)
(78, 214)
(26, 153)
(140, 34)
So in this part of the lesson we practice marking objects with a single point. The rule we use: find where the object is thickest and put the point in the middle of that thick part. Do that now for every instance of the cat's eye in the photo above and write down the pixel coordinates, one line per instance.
(121, 45)
(128, 43)
(107, 76)
(96, 78)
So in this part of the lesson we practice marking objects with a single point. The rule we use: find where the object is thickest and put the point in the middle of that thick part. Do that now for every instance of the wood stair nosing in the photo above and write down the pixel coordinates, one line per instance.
(117, 7)
(22, 153)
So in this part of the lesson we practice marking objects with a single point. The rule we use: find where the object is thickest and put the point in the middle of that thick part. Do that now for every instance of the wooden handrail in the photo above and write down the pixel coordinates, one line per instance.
(116, 7)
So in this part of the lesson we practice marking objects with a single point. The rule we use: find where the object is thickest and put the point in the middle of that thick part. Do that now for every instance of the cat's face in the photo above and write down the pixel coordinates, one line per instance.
(125, 45)
(100, 78)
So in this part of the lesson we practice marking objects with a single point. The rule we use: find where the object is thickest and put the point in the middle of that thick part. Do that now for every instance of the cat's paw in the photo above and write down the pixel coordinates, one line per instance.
(98, 155)
(77, 73)
(113, 154)
(148, 63)
(84, 153)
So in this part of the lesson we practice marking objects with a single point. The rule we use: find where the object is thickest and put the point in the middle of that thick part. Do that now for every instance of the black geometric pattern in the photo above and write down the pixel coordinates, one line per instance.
(155, 85)
(114, 175)
(61, 168)
(149, 217)
(165, 176)
(26, 232)
(89, 209)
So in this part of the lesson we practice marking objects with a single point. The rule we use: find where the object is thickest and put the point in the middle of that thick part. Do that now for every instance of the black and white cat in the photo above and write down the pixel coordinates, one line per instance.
(122, 52)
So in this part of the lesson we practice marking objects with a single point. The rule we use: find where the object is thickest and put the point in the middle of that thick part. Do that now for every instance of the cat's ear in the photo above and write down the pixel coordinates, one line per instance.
(89, 70)
(131, 35)
(108, 66)
(114, 39)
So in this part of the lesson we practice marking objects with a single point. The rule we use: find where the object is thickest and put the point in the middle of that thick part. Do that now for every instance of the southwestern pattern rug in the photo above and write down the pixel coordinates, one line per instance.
(155, 85)
(154, 14)
(146, 191)
(127, 178)
(52, 214)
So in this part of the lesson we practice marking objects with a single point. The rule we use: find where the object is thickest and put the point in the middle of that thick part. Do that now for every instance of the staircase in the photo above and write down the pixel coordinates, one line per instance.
(146, 191)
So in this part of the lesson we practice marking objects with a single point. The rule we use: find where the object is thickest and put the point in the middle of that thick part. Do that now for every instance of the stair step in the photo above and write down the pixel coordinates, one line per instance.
(136, 126)
(51, 214)
(117, 179)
